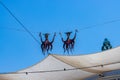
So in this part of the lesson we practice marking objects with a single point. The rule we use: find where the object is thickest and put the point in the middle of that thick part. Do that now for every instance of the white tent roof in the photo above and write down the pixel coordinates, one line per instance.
(56, 67)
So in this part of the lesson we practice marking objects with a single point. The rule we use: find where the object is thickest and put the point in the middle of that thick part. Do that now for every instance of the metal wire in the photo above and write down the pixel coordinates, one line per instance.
(10, 12)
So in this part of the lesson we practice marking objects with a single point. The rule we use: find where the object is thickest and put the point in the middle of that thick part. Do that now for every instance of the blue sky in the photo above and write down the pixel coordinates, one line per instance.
(19, 50)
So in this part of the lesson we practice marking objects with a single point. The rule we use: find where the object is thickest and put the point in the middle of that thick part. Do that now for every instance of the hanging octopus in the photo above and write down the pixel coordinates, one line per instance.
(68, 44)
(46, 45)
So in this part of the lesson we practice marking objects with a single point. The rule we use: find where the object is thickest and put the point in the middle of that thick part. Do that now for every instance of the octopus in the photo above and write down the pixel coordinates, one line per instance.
(46, 45)
(68, 44)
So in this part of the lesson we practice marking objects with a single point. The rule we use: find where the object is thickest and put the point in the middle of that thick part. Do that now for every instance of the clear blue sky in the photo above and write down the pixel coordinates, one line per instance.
(19, 50)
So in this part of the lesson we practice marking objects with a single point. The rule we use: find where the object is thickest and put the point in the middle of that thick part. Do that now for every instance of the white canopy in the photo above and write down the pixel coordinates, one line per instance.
(56, 67)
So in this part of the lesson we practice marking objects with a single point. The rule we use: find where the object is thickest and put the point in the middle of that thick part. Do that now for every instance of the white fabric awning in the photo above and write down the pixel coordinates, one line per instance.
(56, 67)
(95, 63)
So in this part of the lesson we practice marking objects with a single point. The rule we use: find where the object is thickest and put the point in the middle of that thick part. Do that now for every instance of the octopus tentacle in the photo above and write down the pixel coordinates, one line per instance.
(64, 47)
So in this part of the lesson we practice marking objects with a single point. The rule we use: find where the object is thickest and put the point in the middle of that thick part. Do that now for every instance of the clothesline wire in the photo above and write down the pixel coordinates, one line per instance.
(84, 28)
(26, 30)
(22, 25)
